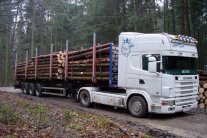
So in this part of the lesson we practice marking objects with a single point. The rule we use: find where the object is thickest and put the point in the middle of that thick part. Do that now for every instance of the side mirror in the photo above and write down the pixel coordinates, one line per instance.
(151, 59)
(152, 65)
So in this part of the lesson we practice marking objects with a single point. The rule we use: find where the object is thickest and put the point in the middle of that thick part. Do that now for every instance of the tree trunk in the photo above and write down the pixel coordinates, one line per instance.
(154, 17)
(166, 16)
(173, 16)
(182, 17)
(33, 28)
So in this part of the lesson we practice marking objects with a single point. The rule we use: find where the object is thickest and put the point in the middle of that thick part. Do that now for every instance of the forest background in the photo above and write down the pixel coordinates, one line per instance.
(29, 24)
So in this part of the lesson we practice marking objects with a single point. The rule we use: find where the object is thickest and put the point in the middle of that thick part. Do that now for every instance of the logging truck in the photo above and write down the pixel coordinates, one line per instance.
(145, 73)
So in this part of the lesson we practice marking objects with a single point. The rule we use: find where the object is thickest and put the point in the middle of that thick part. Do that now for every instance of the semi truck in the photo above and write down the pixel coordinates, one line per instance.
(145, 73)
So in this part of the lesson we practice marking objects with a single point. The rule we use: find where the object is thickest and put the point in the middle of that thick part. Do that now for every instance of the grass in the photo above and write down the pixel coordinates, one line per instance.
(39, 111)
(85, 122)
(8, 114)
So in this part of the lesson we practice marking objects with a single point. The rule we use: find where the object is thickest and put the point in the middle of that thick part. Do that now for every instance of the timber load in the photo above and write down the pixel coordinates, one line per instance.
(98, 63)
(202, 97)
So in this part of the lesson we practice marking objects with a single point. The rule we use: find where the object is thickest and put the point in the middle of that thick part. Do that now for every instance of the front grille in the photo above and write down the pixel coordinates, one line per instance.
(186, 92)
(185, 101)
(186, 88)
(186, 83)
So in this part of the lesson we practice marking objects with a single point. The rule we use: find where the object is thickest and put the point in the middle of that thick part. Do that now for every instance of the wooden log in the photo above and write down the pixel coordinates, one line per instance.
(58, 55)
(60, 61)
(88, 73)
(205, 93)
(62, 57)
(32, 74)
(87, 55)
(88, 78)
(88, 69)
(45, 56)
(201, 90)
(60, 76)
(205, 101)
(202, 82)
(60, 70)
(88, 49)
(59, 65)
(87, 65)
(60, 52)
(47, 65)
(205, 85)
(201, 105)
(201, 100)
(98, 60)
(47, 62)
(200, 96)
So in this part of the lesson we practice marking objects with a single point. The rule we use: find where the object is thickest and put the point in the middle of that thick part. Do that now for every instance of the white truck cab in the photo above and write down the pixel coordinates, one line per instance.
(157, 72)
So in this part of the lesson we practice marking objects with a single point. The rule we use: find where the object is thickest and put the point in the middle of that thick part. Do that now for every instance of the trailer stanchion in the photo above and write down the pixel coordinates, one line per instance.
(94, 59)
(26, 65)
(51, 61)
(36, 62)
(66, 61)
(15, 74)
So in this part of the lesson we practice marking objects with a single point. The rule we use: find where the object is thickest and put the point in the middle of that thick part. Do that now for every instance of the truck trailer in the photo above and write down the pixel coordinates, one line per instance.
(145, 73)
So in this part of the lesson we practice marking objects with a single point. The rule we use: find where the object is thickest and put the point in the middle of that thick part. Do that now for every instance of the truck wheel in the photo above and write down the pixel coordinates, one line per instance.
(22, 88)
(84, 98)
(32, 89)
(137, 106)
(25, 88)
(38, 90)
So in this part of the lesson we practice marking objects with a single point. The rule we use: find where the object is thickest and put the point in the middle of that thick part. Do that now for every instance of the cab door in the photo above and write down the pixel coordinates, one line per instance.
(150, 82)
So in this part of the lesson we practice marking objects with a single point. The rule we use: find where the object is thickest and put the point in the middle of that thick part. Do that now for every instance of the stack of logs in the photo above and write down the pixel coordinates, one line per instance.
(43, 68)
(79, 65)
(61, 65)
(202, 97)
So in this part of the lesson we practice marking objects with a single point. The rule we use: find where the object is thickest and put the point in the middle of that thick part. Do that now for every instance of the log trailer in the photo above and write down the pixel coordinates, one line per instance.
(146, 73)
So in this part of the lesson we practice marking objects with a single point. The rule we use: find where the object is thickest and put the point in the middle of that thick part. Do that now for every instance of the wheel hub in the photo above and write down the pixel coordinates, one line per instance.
(137, 106)
(84, 98)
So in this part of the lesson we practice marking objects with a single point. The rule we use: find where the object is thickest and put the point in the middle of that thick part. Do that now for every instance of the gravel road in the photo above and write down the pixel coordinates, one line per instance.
(191, 124)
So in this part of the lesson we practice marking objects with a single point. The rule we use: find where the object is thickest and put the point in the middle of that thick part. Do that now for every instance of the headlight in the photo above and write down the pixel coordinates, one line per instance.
(168, 103)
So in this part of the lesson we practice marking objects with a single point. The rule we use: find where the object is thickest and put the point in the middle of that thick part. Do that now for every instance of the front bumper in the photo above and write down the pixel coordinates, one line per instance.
(179, 105)
(175, 109)
(172, 109)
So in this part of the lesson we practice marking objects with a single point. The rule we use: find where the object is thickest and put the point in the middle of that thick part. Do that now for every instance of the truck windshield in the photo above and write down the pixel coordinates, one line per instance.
(179, 65)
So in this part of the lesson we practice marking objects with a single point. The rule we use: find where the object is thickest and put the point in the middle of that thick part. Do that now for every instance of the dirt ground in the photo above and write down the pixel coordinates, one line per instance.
(117, 122)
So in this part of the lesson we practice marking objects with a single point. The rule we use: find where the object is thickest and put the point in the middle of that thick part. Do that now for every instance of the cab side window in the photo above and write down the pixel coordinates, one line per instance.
(145, 61)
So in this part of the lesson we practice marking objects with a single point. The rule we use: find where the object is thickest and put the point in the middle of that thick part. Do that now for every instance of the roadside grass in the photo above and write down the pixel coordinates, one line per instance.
(8, 115)
(39, 114)
(91, 125)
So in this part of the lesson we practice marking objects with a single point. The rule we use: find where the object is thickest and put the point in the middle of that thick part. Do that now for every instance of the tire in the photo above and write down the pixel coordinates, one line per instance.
(22, 88)
(25, 88)
(137, 106)
(84, 98)
(32, 89)
(38, 90)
